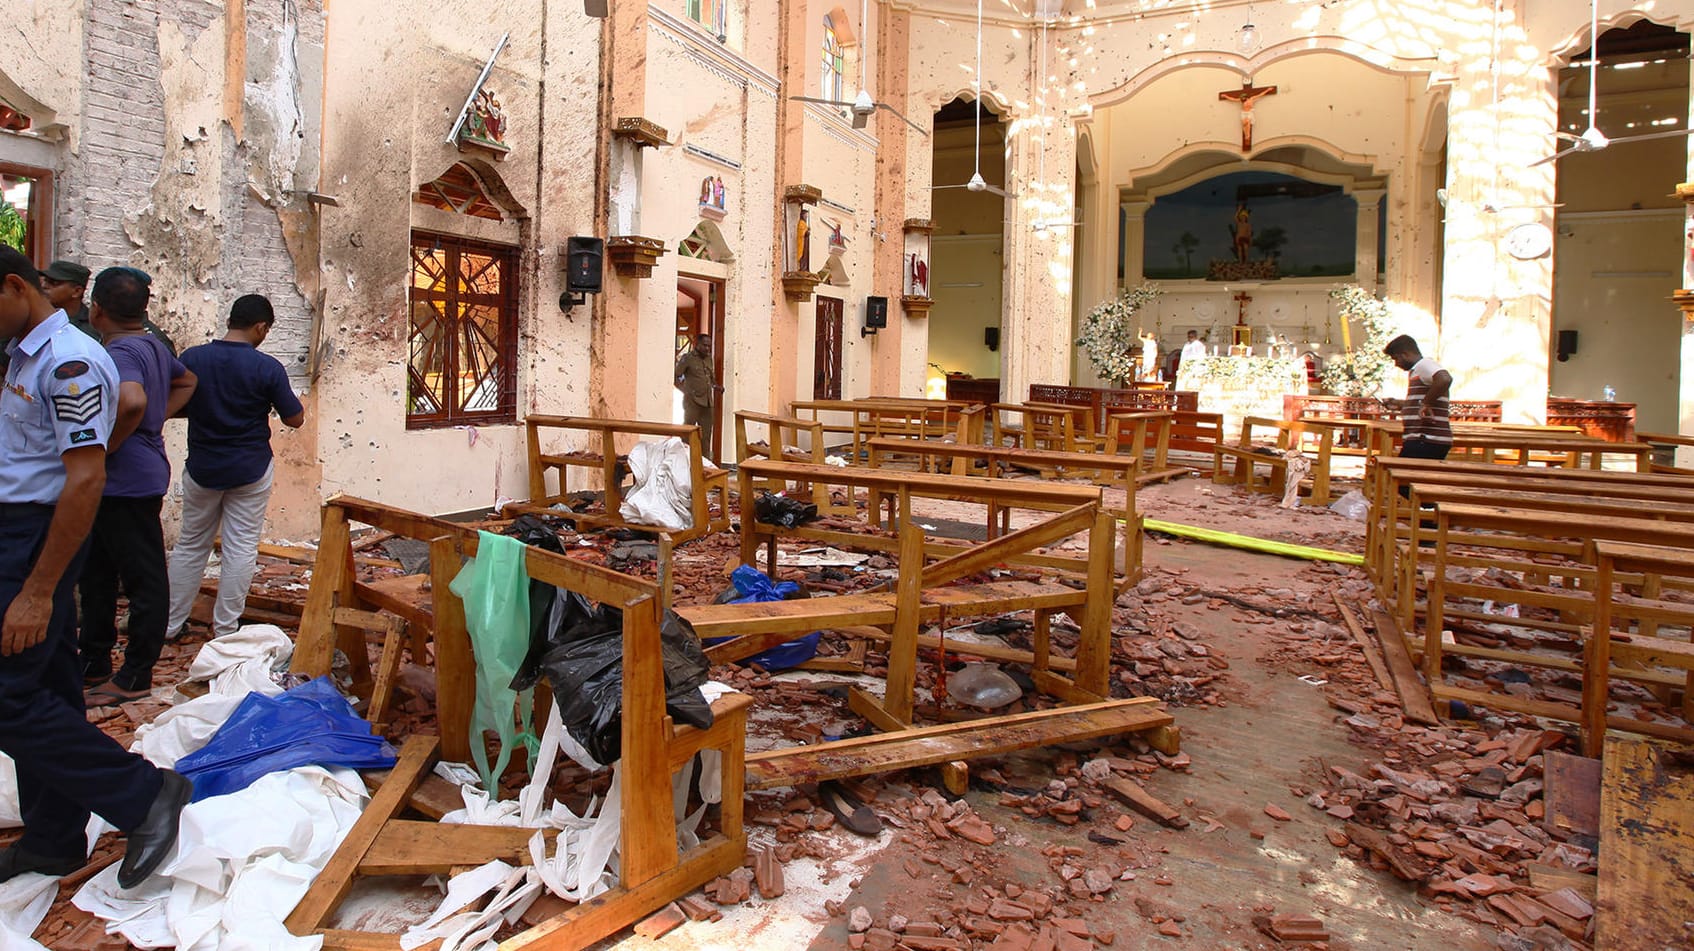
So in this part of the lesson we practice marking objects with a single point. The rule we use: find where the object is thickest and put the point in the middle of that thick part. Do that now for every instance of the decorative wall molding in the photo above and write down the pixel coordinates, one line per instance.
(708, 54)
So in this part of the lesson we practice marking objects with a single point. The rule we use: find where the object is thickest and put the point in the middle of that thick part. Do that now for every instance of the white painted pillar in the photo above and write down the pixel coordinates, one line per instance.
(1134, 241)
(1496, 310)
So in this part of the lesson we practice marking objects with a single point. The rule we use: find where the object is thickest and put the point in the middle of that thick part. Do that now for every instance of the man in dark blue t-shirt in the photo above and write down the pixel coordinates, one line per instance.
(127, 544)
(226, 483)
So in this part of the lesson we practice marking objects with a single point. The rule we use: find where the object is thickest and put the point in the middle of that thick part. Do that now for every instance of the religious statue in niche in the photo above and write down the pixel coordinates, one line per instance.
(919, 277)
(712, 198)
(837, 240)
(803, 241)
(486, 123)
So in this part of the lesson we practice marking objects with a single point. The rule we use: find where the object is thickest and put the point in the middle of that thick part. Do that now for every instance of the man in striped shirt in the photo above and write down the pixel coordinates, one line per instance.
(1423, 413)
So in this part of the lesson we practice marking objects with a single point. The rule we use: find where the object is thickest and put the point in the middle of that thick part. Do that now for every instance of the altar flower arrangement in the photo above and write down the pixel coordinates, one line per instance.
(1362, 370)
(1110, 333)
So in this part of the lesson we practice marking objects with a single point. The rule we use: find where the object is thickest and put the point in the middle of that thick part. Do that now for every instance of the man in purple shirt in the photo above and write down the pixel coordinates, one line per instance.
(226, 483)
(127, 545)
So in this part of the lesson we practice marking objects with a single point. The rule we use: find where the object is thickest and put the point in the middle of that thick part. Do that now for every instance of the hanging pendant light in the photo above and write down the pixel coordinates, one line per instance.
(1247, 38)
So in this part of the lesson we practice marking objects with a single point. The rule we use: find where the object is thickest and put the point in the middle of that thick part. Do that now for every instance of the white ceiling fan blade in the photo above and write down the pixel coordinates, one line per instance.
(1672, 134)
(1568, 136)
(1556, 156)
(822, 102)
(1001, 192)
(902, 117)
(936, 188)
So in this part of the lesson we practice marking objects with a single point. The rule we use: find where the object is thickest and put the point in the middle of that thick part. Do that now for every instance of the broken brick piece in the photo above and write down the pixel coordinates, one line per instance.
(661, 922)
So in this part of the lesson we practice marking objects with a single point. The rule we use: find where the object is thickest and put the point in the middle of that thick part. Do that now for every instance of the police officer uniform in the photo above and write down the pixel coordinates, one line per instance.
(61, 393)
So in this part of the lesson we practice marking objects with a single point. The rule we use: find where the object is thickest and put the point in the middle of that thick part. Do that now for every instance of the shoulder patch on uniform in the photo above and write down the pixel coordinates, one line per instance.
(80, 408)
(70, 369)
(81, 436)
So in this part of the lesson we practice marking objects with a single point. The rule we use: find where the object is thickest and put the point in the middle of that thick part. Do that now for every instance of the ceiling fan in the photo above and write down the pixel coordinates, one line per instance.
(862, 105)
(1592, 139)
(977, 183)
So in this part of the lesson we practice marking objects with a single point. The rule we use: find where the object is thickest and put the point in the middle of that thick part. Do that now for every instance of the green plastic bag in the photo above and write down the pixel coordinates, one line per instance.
(495, 590)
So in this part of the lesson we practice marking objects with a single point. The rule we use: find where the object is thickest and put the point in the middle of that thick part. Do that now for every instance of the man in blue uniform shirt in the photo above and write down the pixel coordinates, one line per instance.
(56, 415)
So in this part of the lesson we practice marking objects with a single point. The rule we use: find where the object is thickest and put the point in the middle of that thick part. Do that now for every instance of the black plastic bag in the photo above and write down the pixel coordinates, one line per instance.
(534, 531)
(781, 510)
(585, 668)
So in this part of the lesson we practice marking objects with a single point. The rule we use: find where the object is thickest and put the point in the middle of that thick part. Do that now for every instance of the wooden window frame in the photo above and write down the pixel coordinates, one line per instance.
(38, 217)
(506, 374)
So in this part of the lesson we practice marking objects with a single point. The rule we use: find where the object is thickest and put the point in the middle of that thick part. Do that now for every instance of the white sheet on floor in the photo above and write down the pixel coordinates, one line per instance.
(515, 889)
(23, 905)
(241, 662)
(241, 864)
(9, 818)
(663, 485)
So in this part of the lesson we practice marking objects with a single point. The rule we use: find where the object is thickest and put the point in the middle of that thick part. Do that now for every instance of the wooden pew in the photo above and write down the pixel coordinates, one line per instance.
(653, 868)
(1148, 436)
(939, 591)
(1663, 441)
(1049, 426)
(1608, 643)
(1390, 515)
(792, 440)
(1109, 470)
(602, 457)
(1501, 527)
(1245, 459)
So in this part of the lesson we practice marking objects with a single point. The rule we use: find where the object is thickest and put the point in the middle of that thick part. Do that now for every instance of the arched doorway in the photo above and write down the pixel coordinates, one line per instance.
(967, 247)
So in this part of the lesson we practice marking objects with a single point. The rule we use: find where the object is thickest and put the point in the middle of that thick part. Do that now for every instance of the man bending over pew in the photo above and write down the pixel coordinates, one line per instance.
(1423, 413)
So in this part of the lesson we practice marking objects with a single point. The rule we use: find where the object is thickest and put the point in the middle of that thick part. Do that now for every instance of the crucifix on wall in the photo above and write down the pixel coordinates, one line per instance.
(1245, 97)
(1241, 335)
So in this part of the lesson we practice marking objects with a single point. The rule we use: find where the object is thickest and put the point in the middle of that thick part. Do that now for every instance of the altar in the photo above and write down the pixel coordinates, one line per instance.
(1239, 387)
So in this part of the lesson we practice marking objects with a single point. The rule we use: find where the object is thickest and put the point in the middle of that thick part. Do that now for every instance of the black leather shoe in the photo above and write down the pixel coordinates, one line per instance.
(150, 842)
(15, 861)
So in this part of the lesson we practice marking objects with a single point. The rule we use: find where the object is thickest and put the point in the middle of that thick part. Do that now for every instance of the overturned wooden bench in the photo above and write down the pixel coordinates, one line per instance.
(653, 866)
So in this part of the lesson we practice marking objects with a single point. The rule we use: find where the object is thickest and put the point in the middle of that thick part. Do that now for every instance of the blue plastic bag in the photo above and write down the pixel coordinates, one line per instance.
(309, 725)
(755, 586)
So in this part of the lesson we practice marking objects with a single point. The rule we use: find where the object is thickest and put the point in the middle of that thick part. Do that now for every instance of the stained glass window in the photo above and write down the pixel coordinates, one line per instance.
(711, 14)
(462, 345)
(834, 63)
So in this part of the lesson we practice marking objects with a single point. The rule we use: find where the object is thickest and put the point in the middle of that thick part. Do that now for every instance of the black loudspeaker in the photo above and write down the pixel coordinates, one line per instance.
(1567, 344)
(876, 313)
(584, 263)
(991, 337)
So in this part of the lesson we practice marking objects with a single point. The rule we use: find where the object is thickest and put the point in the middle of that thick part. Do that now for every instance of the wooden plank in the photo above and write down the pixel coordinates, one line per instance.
(1144, 802)
(648, 846)
(581, 926)
(339, 940)
(908, 592)
(956, 648)
(1647, 845)
(1372, 651)
(1551, 878)
(875, 609)
(333, 883)
(314, 648)
(1000, 550)
(409, 847)
(434, 797)
(925, 746)
(455, 665)
(868, 706)
(1414, 696)
(1571, 793)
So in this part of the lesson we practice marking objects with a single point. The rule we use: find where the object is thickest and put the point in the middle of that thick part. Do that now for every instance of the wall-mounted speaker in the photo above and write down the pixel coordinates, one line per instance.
(991, 338)
(1567, 344)
(876, 315)
(585, 260)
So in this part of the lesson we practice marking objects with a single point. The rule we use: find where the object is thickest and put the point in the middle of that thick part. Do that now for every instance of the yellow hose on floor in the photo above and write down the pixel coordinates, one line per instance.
(1212, 536)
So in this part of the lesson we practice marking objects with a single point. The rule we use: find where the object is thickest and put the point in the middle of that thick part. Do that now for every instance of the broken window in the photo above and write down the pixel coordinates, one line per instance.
(711, 14)
(462, 346)
(834, 63)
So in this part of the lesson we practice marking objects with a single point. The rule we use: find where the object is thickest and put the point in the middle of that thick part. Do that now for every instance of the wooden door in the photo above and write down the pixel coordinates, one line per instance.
(826, 362)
